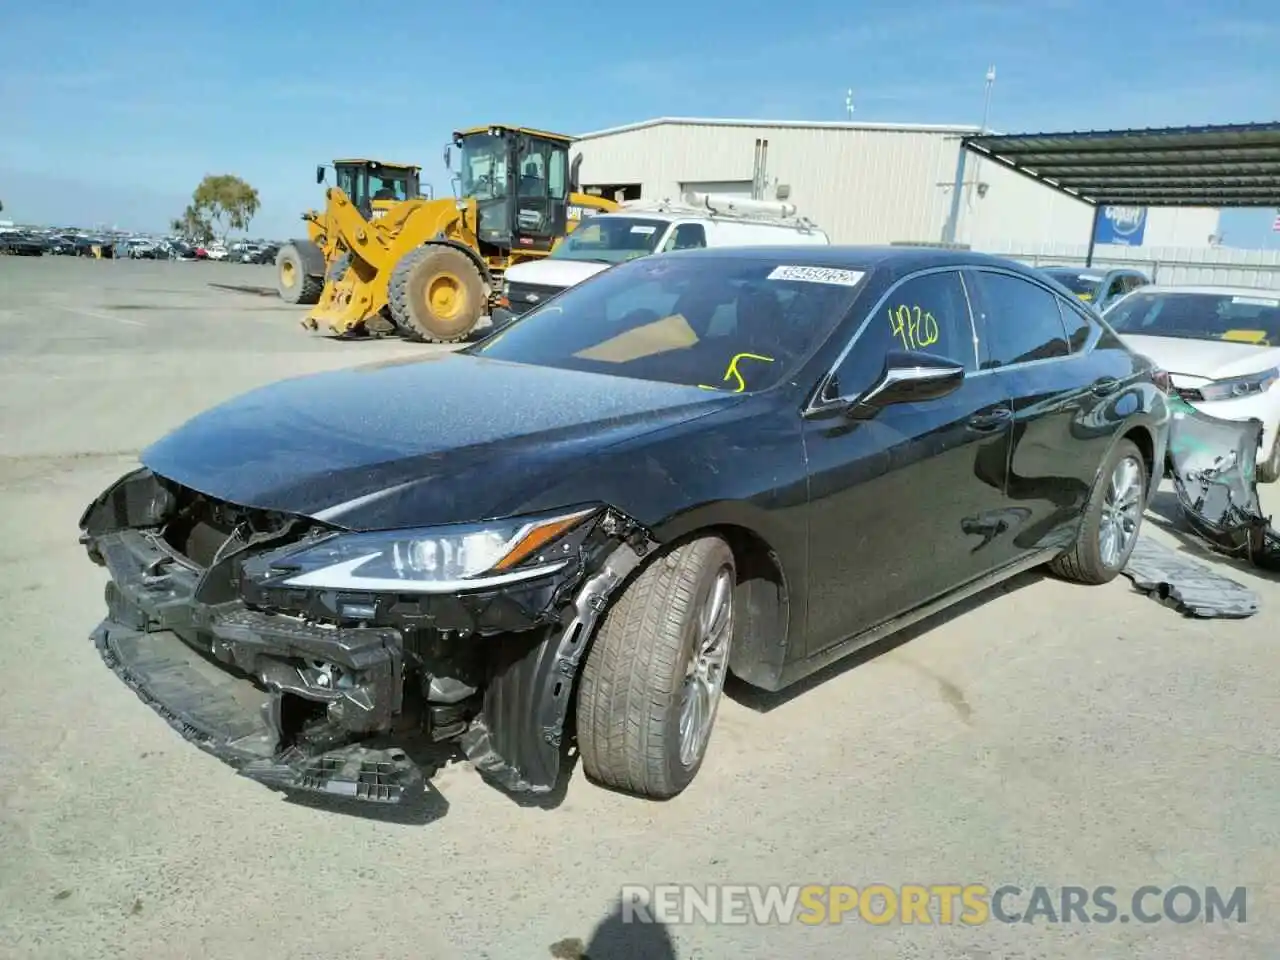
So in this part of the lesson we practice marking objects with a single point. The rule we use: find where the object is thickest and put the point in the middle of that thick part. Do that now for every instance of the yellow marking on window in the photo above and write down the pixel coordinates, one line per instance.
(916, 328)
(732, 371)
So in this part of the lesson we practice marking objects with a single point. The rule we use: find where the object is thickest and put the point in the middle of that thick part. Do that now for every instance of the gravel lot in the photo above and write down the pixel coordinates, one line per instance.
(1045, 734)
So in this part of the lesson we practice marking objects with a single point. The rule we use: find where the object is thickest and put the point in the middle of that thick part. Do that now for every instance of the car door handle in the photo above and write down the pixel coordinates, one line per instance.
(991, 421)
(1105, 385)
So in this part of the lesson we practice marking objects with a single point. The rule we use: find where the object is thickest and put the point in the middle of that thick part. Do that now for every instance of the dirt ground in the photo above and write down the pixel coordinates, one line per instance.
(1042, 734)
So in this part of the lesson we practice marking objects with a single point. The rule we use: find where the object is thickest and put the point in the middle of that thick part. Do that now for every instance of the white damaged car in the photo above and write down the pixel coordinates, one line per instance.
(1221, 348)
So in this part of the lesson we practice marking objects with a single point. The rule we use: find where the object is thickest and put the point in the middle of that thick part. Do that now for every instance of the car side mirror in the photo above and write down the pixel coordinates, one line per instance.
(909, 376)
(448, 158)
(320, 173)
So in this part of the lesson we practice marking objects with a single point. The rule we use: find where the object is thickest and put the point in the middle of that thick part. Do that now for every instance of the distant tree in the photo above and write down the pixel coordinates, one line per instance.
(224, 203)
(192, 225)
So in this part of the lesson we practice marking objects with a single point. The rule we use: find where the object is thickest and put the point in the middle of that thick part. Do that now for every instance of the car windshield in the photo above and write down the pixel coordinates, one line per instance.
(1083, 285)
(722, 323)
(609, 239)
(1243, 317)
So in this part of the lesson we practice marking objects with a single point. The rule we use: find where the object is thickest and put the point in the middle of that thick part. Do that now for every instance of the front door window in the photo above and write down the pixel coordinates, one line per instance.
(910, 502)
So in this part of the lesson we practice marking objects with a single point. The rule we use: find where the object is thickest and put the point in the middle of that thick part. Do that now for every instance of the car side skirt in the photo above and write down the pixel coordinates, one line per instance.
(799, 669)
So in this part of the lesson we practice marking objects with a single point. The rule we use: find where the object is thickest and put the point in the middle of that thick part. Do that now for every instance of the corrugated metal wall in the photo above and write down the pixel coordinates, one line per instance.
(864, 184)
(861, 186)
(1249, 268)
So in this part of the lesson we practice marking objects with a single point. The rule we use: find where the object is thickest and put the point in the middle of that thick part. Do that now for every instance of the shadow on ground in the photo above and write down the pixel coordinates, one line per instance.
(619, 937)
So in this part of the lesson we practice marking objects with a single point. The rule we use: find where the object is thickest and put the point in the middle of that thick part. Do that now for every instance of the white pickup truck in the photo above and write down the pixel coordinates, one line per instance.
(640, 229)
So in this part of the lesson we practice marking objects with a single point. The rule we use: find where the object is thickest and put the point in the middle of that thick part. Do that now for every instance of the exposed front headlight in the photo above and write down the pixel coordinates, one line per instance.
(1243, 386)
(433, 560)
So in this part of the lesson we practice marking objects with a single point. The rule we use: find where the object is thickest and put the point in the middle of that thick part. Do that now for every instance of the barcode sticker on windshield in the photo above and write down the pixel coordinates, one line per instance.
(642, 229)
(1256, 301)
(843, 278)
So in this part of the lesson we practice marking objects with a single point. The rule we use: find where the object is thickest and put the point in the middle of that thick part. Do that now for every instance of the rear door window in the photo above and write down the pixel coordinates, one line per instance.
(1020, 321)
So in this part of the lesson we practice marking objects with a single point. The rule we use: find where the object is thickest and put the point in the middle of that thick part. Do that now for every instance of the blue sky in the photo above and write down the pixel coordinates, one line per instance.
(113, 111)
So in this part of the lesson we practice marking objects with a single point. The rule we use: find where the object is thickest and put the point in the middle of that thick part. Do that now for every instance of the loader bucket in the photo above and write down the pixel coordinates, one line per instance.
(346, 303)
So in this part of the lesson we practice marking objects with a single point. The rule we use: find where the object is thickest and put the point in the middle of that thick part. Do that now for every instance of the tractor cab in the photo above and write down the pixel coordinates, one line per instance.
(374, 186)
(520, 180)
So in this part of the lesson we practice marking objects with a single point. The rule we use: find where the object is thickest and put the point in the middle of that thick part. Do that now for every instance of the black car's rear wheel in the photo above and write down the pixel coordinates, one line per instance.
(1112, 520)
(653, 680)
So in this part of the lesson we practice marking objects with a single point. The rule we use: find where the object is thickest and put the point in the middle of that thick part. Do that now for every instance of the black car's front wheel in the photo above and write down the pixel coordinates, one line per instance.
(653, 680)
(1112, 519)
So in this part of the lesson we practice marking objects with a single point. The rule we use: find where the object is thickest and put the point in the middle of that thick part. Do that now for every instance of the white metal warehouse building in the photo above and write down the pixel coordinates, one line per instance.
(861, 182)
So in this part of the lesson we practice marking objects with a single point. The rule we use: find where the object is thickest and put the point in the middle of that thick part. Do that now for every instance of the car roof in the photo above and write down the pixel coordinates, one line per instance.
(701, 216)
(1091, 271)
(1228, 290)
(897, 259)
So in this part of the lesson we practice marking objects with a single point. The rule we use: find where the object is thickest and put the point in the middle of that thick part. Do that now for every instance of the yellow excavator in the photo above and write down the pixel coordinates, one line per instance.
(430, 269)
(374, 186)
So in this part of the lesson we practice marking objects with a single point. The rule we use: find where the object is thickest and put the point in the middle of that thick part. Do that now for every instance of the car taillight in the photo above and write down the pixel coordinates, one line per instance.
(1162, 380)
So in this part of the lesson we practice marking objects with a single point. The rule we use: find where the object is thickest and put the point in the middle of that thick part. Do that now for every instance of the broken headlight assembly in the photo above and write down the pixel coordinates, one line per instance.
(445, 559)
(1243, 386)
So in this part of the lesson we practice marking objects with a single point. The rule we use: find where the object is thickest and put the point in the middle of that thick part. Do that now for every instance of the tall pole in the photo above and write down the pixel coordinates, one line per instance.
(986, 112)
(848, 104)
(986, 102)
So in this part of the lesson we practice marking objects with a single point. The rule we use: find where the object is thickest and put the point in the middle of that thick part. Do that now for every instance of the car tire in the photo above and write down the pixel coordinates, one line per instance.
(1269, 470)
(668, 636)
(1110, 512)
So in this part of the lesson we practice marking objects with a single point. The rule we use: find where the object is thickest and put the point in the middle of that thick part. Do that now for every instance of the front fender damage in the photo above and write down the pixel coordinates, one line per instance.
(294, 690)
(517, 740)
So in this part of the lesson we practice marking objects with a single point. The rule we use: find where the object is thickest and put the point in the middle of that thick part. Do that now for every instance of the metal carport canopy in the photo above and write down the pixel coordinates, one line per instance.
(1235, 165)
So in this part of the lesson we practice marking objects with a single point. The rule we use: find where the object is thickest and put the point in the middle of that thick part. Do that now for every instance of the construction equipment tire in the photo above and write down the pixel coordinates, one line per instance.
(436, 294)
(293, 283)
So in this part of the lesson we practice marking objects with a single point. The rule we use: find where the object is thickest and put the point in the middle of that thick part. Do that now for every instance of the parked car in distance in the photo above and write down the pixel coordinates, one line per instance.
(20, 243)
(256, 253)
(61, 245)
(646, 227)
(1221, 346)
(747, 460)
(1098, 287)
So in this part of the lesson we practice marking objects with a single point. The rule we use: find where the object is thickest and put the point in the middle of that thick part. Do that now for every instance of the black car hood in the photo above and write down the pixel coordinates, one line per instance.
(439, 439)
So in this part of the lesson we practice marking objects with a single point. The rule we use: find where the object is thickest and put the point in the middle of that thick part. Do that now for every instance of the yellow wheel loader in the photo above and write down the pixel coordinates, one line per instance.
(375, 187)
(431, 269)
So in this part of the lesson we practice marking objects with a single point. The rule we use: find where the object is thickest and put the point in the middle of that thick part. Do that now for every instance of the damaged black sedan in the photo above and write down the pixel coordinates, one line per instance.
(752, 461)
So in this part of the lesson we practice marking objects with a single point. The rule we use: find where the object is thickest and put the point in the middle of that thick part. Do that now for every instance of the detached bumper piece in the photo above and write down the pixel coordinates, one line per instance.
(1214, 464)
(294, 705)
(1185, 585)
(235, 720)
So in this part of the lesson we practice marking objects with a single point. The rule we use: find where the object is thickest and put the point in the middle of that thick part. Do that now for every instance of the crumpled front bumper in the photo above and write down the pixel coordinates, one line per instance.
(1214, 465)
(219, 674)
